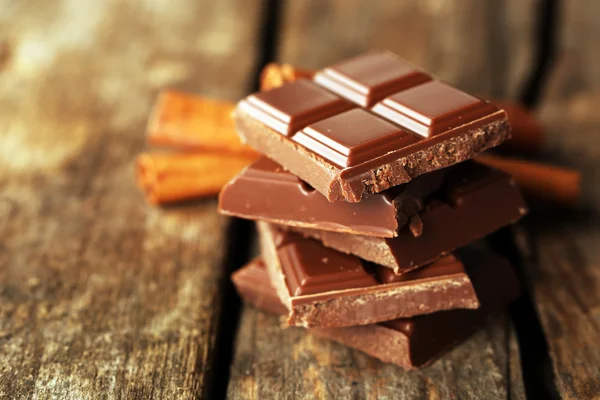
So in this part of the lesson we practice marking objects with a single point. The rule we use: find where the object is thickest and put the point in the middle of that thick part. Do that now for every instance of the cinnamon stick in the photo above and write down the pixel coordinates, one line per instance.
(561, 186)
(170, 177)
(274, 75)
(190, 122)
(527, 132)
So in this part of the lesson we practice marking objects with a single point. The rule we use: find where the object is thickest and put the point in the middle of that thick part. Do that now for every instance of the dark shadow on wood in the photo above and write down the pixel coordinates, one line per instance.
(536, 364)
(240, 237)
(545, 50)
(268, 37)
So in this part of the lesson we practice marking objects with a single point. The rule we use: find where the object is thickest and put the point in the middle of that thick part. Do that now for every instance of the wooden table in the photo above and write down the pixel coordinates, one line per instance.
(103, 296)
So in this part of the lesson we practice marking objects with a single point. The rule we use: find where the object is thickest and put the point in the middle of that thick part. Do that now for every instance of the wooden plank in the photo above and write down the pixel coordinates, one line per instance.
(565, 281)
(563, 265)
(562, 247)
(102, 296)
(451, 40)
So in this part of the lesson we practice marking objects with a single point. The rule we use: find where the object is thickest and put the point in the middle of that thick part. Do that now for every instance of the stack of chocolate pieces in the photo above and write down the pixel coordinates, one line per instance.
(367, 208)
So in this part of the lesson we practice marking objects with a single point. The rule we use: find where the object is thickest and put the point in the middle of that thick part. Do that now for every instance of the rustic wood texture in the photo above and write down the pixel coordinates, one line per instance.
(481, 46)
(276, 363)
(101, 295)
(572, 95)
(563, 272)
(453, 41)
(562, 248)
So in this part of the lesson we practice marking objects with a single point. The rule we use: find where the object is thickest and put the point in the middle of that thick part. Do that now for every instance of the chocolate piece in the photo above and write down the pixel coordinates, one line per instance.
(407, 342)
(473, 201)
(252, 283)
(266, 192)
(416, 225)
(408, 125)
(322, 287)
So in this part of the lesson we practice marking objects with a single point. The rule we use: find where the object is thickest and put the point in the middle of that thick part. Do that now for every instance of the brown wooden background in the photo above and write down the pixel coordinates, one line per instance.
(102, 296)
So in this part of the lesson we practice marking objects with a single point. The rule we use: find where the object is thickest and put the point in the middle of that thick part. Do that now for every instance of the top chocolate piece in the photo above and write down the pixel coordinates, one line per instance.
(368, 124)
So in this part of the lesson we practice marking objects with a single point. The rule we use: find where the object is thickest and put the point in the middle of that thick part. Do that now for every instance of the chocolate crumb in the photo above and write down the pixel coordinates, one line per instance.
(416, 225)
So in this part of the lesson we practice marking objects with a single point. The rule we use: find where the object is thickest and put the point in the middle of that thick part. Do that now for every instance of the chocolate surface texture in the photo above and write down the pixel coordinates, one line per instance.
(368, 124)
(470, 202)
(473, 201)
(408, 342)
(265, 191)
(322, 287)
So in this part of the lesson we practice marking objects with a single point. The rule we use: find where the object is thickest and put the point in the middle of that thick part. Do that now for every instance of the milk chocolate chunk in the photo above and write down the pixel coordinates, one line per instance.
(408, 342)
(252, 284)
(265, 191)
(407, 125)
(473, 201)
(325, 288)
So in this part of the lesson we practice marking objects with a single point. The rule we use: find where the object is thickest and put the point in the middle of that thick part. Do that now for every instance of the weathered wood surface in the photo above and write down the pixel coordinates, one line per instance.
(102, 296)
(563, 272)
(452, 41)
(562, 249)
(481, 46)
(569, 108)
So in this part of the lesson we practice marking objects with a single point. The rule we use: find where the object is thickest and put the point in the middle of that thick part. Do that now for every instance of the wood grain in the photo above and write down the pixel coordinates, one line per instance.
(563, 248)
(102, 296)
(563, 273)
